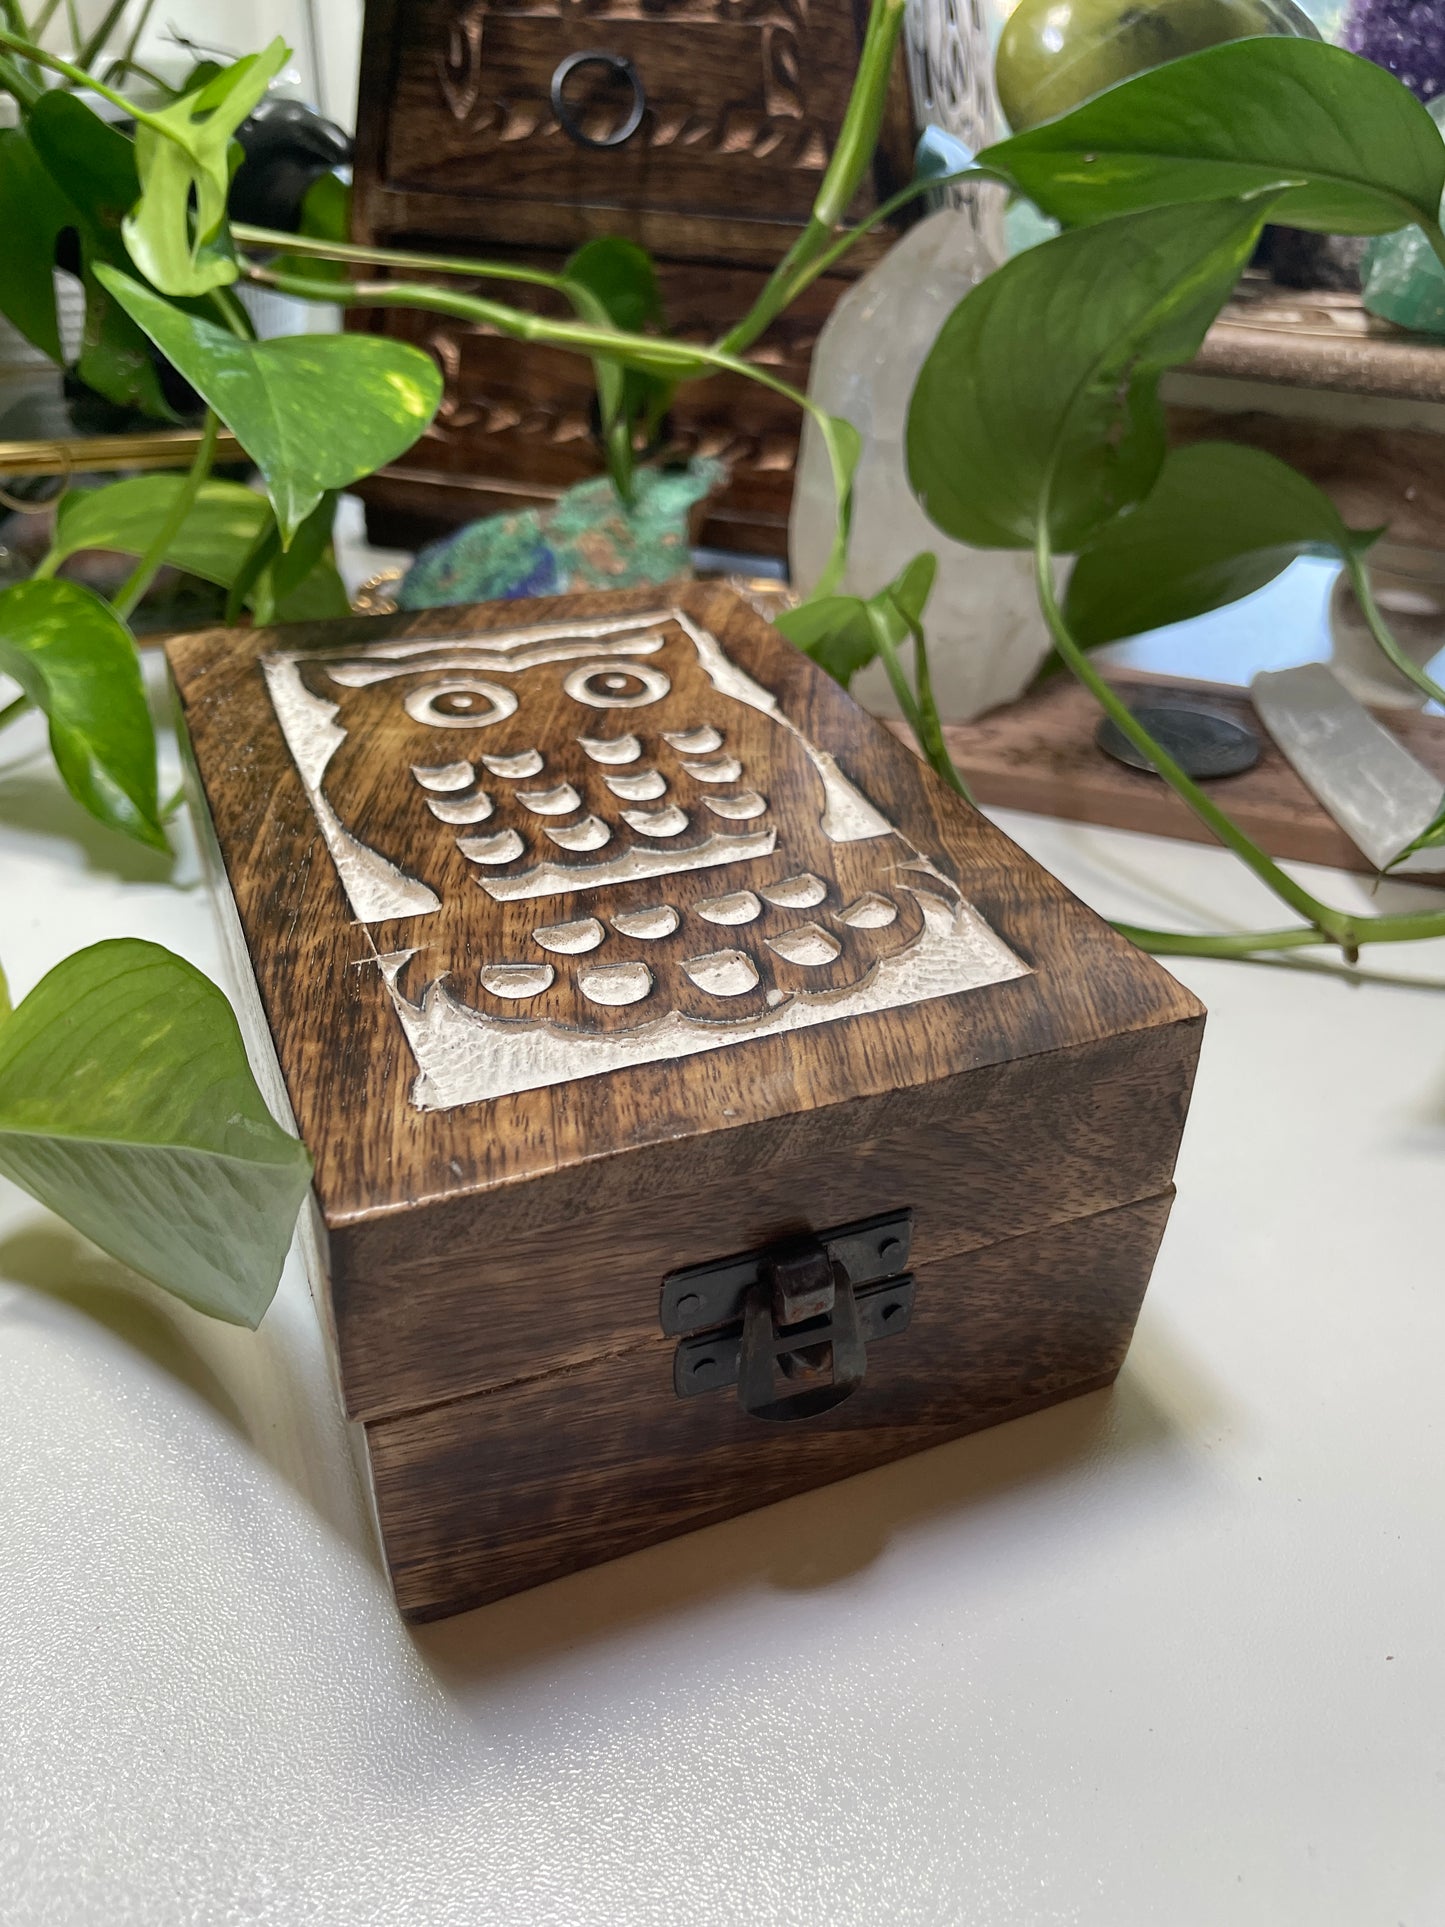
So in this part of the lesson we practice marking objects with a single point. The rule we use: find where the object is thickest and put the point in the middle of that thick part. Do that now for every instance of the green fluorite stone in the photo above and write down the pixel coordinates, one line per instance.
(1404, 281)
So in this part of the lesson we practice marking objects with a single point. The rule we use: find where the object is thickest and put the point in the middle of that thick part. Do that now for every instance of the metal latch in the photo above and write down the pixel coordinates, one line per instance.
(806, 1307)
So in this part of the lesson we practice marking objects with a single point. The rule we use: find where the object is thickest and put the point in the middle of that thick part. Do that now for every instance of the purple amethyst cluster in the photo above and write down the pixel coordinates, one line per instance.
(1405, 36)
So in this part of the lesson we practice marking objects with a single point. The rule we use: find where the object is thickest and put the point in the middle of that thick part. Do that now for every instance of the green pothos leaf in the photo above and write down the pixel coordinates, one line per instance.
(280, 398)
(622, 276)
(299, 584)
(33, 211)
(1039, 401)
(76, 662)
(325, 216)
(840, 632)
(910, 589)
(1220, 522)
(185, 156)
(319, 596)
(91, 166)
(123, 516)
(128, 1108)
(833, 630)
(220, 536)
(1356, 151)
(617, 282)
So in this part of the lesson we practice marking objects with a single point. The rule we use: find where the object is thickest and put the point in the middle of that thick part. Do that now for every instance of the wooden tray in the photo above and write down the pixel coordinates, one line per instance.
(1039, 754)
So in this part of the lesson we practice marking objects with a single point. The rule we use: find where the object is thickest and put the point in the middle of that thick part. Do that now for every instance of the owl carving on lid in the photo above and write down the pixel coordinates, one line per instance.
(617, 850)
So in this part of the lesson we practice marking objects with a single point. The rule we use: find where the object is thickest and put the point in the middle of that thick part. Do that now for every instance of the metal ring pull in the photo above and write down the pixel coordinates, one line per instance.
(617, 64)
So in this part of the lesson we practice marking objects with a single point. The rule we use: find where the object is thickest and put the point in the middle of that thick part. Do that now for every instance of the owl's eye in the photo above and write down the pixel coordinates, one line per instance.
(461, 702)
(616, 685)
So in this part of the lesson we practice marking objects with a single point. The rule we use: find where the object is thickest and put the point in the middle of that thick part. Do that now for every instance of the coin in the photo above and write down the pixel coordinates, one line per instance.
(1202, 742)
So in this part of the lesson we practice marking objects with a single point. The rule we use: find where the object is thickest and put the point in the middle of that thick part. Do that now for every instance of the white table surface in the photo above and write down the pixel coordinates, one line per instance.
(1173, 1654)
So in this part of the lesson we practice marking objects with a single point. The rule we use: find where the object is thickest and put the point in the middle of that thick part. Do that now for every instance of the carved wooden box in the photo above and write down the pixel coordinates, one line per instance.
(706, 1104)
(517, 129)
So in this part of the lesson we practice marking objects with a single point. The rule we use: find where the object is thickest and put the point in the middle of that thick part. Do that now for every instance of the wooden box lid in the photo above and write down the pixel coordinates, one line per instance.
(589, 929)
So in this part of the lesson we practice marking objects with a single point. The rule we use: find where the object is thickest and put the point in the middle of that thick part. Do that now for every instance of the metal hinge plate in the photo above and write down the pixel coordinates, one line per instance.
(701, 1296)
(806, 1307)
(710, 1361)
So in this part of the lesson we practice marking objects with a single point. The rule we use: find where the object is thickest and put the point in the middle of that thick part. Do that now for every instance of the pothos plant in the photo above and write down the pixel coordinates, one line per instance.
(125, 1102)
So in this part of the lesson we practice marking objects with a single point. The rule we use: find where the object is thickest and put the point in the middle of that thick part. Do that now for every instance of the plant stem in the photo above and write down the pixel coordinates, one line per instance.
(95, 45)
(616, 428)
(1364, 594)
(118, 69)
(653, 354)
(262, 553)
(144, 572)
(460, 265)
(276, 243)
(12, 13)
(14, 710)
(232, 314)
(1325, 925)
(923, 717)
(127, 59)
(1223, 943)
(883, 212)
(1338, 927)
(851, 158)
(934, 746)
(16, 81)
(78, 77)
(1245, 943)
(904, 696)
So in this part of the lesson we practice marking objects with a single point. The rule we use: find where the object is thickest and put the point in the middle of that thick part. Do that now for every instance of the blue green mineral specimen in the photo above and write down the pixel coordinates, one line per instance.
(588, 539)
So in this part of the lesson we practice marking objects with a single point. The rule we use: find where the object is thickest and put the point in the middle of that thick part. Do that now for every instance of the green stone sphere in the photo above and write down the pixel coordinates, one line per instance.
(1053, 54)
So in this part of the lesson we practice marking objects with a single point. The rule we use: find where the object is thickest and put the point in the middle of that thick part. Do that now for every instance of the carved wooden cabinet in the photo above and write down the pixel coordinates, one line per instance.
(699, 128)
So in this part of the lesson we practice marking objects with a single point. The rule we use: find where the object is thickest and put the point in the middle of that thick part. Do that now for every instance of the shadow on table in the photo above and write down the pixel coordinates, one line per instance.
(249, 1380)
(33, 802)
(68, 1270)
(820, 1538)
(816, 1540)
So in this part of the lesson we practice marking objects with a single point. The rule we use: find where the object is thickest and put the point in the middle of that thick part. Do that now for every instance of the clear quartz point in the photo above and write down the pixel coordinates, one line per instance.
(986, 636)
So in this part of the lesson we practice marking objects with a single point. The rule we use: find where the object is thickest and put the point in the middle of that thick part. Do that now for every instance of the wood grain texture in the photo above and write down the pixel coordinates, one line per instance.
(743, 107)
(982, 1157)
(516, 424)
(1039, 754)
(420, 1207)
(408, 507)
(1319, 339)
(492, 1494)
(458, 149)
(403, 217)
